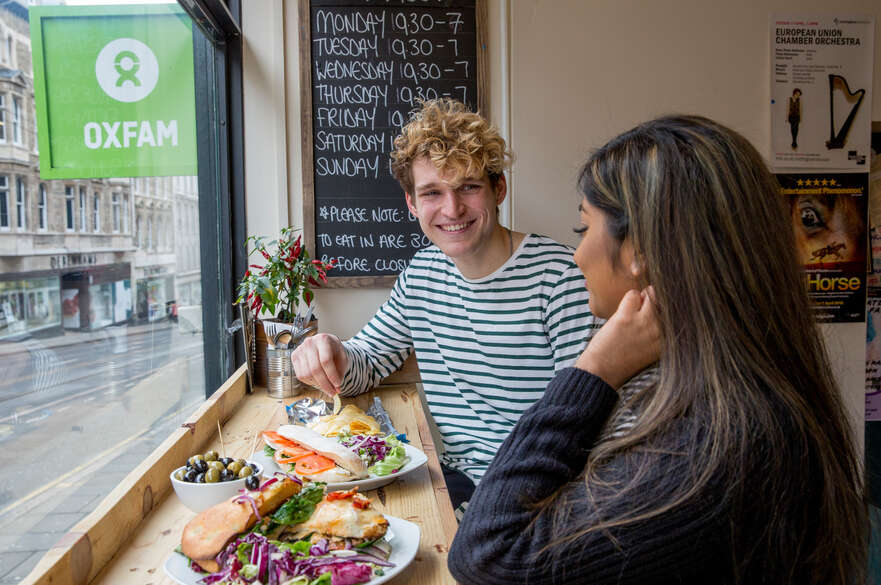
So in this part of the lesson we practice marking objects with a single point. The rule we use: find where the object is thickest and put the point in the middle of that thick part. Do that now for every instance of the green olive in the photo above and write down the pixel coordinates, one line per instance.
(235, 467)
(242, 462)
(245, 471)
(211, 456)
(180, 474)
(212, 476)
(216, 465)
(192, 460)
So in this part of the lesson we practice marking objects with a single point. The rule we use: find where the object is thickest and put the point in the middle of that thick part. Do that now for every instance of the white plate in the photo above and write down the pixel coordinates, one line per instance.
(417, 460)
(402, 535)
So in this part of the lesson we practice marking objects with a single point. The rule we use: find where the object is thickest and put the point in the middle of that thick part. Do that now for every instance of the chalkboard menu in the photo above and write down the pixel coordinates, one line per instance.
(368, 63)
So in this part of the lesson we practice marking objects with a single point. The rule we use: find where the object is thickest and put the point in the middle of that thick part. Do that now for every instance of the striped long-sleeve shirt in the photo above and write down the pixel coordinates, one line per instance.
(486, 348)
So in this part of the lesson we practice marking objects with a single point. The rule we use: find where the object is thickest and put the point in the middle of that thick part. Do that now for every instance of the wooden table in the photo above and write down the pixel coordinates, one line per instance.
(127, 539)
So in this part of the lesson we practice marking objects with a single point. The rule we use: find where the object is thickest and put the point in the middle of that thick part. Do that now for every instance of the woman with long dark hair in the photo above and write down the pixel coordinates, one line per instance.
(700, 437)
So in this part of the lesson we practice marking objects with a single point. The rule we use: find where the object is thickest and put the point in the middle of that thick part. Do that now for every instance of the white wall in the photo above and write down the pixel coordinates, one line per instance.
(565, 76)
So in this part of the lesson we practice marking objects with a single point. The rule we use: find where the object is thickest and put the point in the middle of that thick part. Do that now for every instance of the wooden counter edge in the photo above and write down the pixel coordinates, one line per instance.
(81, 554)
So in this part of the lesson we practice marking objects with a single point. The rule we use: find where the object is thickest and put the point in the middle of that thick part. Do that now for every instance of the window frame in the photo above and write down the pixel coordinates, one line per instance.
(220, 146)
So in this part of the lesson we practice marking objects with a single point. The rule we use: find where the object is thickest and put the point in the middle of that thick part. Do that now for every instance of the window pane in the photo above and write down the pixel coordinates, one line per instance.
(101, 342)
(68, 206)
(82, 208)
(16, 119)
(21, 203)
(4, 201)
(43, 207)
(96, 212)
(2, 117)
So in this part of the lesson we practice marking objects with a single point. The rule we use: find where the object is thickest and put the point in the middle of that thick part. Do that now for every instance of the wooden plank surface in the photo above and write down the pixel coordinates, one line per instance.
(419, 497)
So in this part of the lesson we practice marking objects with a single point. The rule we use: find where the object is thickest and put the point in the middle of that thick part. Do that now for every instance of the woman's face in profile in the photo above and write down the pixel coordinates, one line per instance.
(827, 229)
(607, 281)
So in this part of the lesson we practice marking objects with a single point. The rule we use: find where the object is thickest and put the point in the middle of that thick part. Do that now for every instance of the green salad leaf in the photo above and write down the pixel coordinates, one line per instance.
(300, 506)
(394, 460)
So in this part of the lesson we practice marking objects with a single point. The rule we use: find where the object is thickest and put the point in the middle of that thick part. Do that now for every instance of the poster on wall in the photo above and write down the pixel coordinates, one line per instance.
(821, 91)
(828, 212)
(873, 355)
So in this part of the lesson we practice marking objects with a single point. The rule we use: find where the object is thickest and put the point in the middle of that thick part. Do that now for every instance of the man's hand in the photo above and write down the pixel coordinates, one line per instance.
(629, 341)
(321, 361)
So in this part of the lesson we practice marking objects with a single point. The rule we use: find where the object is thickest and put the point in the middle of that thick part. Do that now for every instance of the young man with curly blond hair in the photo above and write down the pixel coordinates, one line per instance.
(491, 313)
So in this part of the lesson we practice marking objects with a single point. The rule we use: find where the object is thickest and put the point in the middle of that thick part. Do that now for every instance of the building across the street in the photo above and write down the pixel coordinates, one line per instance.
(85, 253)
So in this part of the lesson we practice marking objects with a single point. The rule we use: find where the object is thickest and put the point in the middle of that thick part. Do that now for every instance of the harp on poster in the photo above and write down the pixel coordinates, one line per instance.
(837, 139)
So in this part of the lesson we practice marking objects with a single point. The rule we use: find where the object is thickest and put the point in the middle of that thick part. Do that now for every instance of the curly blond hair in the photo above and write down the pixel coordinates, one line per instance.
(455, 139)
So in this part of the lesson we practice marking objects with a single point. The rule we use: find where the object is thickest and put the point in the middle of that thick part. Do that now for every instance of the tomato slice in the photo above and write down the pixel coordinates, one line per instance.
(291, 454)
(341, 495)
(277, 440)
(313, 464)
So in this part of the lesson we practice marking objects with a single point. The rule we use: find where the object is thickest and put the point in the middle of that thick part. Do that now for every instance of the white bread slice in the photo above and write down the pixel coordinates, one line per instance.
(326, 447)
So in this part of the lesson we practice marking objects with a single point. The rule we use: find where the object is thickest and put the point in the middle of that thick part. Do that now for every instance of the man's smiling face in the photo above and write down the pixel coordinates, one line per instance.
(461, 218)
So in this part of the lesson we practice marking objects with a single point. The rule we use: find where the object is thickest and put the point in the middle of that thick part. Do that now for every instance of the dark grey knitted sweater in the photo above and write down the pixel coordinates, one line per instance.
(547, 449)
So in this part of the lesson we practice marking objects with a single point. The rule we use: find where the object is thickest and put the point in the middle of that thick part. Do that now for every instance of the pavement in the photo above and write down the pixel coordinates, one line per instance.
(75, 337)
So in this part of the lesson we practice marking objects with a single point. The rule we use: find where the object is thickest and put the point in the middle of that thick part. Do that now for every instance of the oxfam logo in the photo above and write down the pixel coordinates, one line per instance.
(127, 70)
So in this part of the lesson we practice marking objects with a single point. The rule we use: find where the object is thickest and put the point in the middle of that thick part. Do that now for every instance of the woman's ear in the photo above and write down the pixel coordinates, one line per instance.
(632, 260)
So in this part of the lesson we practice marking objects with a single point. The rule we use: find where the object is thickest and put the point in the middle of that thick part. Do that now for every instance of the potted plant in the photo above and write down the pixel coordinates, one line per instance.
(281, 284)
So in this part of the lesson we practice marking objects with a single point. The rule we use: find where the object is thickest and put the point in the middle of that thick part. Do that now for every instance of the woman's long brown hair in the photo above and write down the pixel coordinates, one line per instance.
(746, 407)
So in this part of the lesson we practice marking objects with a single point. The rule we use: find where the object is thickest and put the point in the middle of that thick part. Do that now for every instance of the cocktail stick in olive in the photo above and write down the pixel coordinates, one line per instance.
(211, 456)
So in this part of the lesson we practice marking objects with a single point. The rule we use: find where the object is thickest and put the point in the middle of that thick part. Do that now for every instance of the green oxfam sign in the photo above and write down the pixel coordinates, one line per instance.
(114, 91)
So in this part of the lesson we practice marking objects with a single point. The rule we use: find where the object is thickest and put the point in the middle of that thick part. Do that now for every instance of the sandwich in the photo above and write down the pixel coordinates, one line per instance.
(209, 532)
(312, 456)
(263, 536)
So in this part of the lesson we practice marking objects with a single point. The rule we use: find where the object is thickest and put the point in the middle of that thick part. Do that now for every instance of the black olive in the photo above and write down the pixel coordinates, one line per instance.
(200, 465)
(227, 475)
(226, 460)
(190, 475)
(200, 478)
(252, 482)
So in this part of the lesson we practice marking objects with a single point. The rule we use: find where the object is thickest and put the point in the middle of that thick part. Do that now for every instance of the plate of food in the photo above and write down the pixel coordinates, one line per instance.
(344, 451)
(286, 532)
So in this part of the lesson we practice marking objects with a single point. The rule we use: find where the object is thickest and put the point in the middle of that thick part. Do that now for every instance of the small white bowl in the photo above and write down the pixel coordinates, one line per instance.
(201, 496)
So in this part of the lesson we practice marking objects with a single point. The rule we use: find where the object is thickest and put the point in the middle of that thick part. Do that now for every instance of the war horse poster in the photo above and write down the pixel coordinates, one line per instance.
(829, 220)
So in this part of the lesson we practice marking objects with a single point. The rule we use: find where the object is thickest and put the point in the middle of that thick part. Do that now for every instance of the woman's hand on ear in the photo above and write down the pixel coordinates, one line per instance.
(629, 342)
